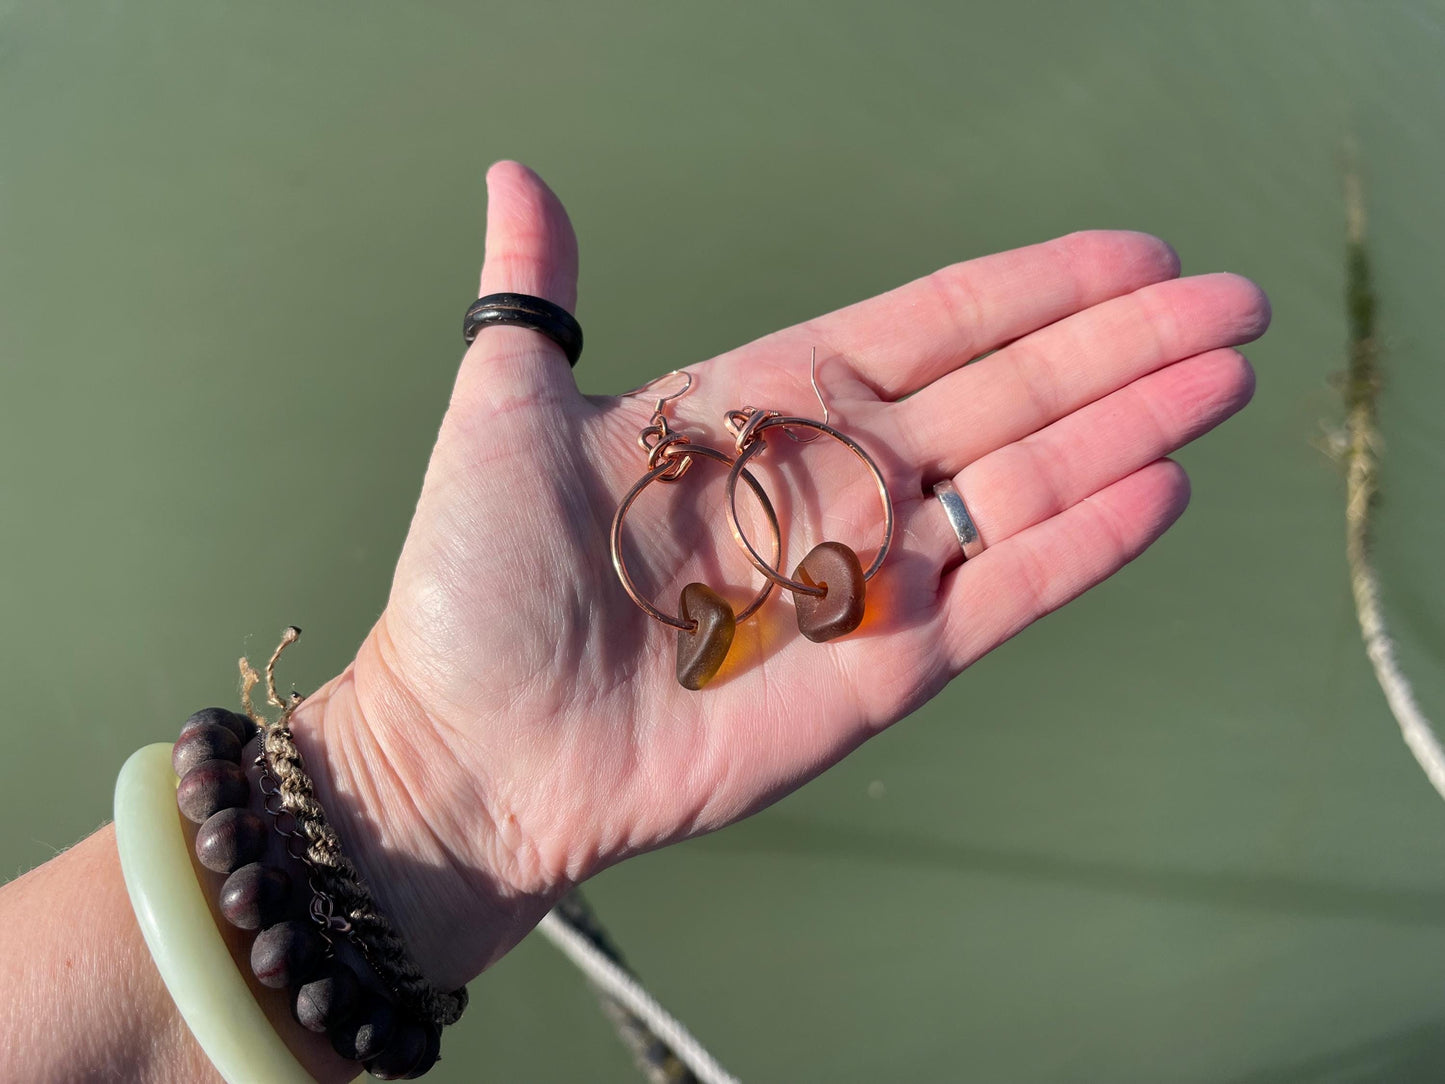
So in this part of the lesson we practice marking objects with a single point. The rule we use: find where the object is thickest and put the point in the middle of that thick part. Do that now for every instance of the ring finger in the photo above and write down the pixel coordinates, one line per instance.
(1030, 480)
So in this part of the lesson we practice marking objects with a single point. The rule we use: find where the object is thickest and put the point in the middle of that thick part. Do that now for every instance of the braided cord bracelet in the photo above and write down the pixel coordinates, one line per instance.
(340, 902)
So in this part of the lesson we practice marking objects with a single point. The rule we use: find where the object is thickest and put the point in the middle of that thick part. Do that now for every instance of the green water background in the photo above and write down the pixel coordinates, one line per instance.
(1170, 834)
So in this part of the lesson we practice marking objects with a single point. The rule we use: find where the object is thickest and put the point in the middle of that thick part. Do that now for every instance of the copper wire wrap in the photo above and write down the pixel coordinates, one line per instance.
(749, 426)
(670, 455)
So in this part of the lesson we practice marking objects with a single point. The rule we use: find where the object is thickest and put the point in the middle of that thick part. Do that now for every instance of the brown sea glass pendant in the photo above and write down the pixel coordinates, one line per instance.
(701, 650)
(839, 610)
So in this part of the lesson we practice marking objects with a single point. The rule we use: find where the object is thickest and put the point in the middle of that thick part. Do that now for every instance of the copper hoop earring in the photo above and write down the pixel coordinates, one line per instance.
(829, 585)
(706, 622)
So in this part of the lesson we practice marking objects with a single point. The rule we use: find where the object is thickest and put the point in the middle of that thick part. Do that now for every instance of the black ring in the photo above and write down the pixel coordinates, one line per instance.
(533, 313)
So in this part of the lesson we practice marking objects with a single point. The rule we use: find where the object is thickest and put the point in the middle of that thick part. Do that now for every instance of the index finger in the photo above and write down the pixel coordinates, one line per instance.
(903, 340)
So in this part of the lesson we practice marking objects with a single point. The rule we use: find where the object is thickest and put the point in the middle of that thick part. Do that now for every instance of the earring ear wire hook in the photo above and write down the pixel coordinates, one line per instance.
(657, 438)
(812, 379)
(662, 400)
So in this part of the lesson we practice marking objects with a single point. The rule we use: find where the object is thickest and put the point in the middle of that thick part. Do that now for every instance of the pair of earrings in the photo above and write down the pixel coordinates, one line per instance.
(828, 586)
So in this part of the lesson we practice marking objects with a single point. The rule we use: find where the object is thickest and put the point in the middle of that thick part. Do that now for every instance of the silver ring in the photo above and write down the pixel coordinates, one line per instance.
(958, 517)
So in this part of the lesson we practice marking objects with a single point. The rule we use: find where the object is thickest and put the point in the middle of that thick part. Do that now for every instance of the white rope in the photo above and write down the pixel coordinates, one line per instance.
(1360, 488)
(618, 984)
(1413, 724)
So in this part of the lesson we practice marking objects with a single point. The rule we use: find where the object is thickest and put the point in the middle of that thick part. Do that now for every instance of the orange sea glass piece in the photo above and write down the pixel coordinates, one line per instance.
(701, 651)
(837, 612)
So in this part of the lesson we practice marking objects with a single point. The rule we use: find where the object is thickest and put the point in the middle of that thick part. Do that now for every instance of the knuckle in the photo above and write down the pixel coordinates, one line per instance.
(959, 297)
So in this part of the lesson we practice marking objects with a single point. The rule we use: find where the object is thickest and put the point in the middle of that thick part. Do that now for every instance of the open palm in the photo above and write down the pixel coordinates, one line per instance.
(527, 713)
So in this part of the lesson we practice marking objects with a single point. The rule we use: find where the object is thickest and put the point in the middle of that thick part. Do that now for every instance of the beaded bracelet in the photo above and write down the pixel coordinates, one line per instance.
(316, 942)
(294, 948)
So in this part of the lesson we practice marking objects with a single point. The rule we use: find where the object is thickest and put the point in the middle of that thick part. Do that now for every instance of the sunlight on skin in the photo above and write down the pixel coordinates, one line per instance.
(513, 724)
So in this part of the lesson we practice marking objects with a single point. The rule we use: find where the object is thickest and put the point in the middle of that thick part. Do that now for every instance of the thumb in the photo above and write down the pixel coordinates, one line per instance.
(531, 249)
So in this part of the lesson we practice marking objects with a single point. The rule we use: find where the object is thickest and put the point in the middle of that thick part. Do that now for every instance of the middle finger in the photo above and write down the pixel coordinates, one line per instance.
(1048, 375)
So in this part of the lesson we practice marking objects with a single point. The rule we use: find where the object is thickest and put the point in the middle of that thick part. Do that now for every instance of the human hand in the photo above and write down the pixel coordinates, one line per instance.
(513, 725)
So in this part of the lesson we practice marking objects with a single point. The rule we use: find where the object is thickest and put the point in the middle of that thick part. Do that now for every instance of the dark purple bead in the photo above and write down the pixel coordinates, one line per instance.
(230, 839)
(236, 723)
(286, 954)
(203, 743)
(367, 1033)
(255, 896)
(402, 1054)
(329, 1000)
(430, 1054)
(210, 787)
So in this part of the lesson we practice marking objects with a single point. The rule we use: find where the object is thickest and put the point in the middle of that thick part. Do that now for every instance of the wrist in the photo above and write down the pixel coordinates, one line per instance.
(418, 833)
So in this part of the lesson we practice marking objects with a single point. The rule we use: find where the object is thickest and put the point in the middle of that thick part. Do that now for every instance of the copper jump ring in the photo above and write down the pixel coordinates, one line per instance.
(674, 460)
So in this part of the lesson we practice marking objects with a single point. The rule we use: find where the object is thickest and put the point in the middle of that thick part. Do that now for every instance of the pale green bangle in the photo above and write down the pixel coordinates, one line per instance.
(181, 931)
